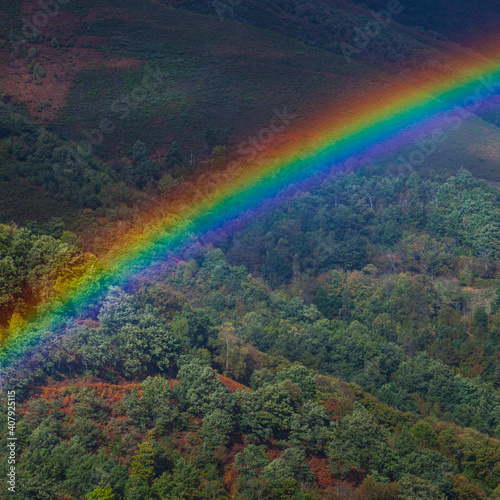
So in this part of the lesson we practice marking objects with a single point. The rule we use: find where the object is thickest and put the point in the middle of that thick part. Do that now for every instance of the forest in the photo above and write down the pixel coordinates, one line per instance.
(341, 342)
(348, 368)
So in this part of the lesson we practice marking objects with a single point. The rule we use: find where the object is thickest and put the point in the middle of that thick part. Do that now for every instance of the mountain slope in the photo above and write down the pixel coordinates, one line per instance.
(117, 73)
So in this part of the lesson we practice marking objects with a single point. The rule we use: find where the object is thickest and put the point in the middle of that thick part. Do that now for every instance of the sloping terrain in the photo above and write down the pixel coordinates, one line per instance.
(157, 72)
(340, 343)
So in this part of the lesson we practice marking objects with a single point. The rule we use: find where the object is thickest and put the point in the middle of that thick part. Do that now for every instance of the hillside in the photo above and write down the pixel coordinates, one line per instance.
(109, 76)
(339, 340)
(129, 404)
(45, 177)
(70, 429)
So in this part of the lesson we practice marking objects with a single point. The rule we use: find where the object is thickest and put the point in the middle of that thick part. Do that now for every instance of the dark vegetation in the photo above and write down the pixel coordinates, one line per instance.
(343, 345)
(60, 171)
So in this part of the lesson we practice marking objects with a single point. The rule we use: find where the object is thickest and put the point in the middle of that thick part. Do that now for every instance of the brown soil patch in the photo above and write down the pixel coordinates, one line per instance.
(60, 65)
(232, 385)
(487, 152)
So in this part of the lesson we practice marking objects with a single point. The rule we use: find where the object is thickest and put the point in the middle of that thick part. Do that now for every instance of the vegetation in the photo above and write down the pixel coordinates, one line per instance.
(62, 171)
(208, 382)
(341, 343)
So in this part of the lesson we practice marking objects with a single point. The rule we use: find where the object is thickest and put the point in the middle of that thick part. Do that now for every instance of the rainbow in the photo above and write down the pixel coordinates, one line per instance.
(379, 121)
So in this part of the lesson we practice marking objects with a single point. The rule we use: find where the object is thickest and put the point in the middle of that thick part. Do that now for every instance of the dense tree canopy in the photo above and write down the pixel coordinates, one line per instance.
(207, 381)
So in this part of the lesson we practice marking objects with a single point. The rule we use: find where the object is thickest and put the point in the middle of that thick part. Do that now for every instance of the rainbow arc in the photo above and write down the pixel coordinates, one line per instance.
(379, 122)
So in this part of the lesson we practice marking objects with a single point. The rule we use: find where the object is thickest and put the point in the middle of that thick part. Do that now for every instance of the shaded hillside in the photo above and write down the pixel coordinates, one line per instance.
(326, 22)
(459, 20)
(43, 176)
(108, 76)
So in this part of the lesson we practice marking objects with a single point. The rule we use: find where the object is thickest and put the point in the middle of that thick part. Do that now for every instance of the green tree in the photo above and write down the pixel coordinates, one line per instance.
(416, 488)
(99, 493)
(142, 465)
(301, 376)
(358, 441)
(201, 391)
(174, 157)
(217, 428)
(251, 460)
(166, 184)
